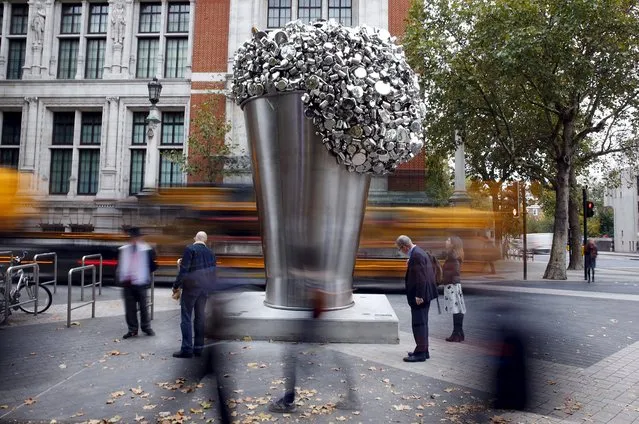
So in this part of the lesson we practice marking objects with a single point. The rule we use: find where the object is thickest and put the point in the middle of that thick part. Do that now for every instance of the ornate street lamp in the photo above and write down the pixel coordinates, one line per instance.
(155, 88)
(153, 119)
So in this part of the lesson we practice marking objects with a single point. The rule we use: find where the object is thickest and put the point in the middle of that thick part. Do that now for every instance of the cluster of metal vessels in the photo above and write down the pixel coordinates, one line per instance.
(362, 96)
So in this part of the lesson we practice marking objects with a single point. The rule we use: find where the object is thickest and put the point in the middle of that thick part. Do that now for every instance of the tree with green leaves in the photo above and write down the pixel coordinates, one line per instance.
(544, 85)
(209, 155)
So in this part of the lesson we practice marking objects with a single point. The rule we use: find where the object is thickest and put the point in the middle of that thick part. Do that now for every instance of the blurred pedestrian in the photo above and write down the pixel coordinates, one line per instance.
(195, 279)
(136, 264)
(420, 290)
(590, 258)
(313, 281)
(453, 295)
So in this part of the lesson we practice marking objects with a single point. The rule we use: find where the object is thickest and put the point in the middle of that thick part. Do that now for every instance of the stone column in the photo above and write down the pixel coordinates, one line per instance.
(152, 162)
(106, 216)
(460, 196)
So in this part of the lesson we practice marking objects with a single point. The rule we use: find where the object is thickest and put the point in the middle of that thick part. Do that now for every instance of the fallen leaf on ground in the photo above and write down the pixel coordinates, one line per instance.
(498, 419)
(137, 390)
(62, 366)
(77, 414)
(29, 401)
(149, 406)
(206, 405)
(449, 389)
(117, 394)
(115, 419)
(138, 418)
(401, 407)
(75, 323)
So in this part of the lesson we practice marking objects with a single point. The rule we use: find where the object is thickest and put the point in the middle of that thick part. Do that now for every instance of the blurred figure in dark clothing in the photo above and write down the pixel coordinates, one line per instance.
(512, 386)
(590, 259)
(316, 299)
(196, 278)
(136, 264)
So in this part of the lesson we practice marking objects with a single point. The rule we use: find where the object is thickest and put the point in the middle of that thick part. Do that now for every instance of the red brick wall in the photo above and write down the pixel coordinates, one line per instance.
(211, 35)
(210, 54)
(409, 176)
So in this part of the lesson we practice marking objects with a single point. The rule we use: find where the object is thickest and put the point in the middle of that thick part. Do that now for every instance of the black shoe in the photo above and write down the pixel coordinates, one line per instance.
(149, 332)
(416, 357)
(129, 334)
(281, 406)
(197, 353)
(180, 354)
(422, 353)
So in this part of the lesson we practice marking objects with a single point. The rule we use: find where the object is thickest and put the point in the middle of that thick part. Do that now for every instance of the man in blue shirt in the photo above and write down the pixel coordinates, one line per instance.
(196, 278)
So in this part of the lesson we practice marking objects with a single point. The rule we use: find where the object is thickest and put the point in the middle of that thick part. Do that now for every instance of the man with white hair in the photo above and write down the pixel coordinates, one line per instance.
(420, 290)
(196, 276)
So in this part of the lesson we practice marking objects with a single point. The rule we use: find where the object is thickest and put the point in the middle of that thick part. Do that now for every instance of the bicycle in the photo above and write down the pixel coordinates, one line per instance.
(24, 286)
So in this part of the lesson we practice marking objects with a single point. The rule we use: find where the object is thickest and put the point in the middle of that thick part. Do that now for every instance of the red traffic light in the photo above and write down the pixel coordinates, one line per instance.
(590, 209)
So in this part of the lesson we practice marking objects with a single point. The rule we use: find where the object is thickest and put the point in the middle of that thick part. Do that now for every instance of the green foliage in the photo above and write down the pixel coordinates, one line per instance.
(544, 224)
(208, 151)
(535, 87)
(438, 179)
(606, 222)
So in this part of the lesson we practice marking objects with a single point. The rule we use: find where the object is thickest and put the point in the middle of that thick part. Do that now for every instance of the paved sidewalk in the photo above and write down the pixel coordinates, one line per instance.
(87, 372)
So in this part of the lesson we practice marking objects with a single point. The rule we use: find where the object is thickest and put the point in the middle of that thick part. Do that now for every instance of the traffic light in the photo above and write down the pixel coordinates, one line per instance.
(590, 209)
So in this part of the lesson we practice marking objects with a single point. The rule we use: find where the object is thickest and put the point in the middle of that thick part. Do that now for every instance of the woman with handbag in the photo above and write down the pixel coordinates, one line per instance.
(453, 295)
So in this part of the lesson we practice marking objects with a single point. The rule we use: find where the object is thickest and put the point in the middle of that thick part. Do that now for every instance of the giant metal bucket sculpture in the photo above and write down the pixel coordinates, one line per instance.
(310, 208)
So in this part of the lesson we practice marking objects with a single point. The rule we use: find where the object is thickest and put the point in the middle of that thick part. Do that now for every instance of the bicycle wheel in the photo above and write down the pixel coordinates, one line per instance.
(44, 298)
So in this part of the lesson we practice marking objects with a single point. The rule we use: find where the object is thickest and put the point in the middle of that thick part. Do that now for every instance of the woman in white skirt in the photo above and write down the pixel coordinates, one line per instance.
(453, 296)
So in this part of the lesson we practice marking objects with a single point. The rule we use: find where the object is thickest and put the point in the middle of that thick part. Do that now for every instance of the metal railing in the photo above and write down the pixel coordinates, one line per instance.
(39, 256)
(7, 287)
(70, 286)
(84, 258)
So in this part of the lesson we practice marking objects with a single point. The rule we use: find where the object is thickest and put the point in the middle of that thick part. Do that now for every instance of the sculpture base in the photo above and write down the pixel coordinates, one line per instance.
(370, 320)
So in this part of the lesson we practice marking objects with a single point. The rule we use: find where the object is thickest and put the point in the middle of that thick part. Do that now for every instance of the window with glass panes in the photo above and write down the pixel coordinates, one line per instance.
(63, 123)
(175, 61)
(279, 13)
(341, 11)
(91, 128)
(309, 10)
(172, 135)
(178, 17)
(10, 141)
(71, 18)
(147, 57)
(19, 19)
(170, 173)
(88, 171)
(138, 152)
(60, 171)
(172, 128)
(150, 18)
(17, 51)
(95, 58)
(139, 128)
(98, 18)
(136, 180)
(69, 41)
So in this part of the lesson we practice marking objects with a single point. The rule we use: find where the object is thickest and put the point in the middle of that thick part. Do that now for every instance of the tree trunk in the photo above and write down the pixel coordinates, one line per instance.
(556, 269)
(576, 259)
(495, 190)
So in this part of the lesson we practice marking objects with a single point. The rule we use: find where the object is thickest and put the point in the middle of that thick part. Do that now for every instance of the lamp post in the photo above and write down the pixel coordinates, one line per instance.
(153, 120)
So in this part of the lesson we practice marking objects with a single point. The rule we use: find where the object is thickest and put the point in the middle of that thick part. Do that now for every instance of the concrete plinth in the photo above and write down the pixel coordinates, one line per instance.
(370, 320)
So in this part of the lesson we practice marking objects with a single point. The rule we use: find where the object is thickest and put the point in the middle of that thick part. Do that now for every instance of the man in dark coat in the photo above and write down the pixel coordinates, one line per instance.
(420, 290)
(196, 279)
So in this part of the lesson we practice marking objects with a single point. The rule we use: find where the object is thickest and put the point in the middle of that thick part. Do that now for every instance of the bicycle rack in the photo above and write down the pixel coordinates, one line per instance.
(84, 258)
(7, 287)
(55, 268)
(70, 285)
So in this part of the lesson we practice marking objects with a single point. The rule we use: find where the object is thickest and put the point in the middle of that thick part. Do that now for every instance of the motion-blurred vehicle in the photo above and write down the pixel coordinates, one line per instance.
(229, 215)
